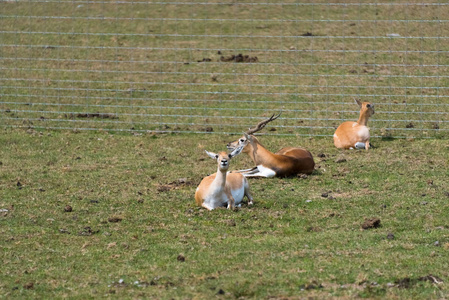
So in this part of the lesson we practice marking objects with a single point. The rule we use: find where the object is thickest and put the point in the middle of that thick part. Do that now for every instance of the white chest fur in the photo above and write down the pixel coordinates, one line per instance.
(363, 133)
(218, 198)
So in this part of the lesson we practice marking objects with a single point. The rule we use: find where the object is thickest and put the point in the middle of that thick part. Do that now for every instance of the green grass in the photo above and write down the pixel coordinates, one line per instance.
(134, 231)
(139, 61)
(134, 220)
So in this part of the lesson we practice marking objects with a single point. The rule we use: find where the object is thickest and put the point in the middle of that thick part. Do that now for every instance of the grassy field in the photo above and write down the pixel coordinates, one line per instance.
(110, 212)
(95, 214)
(151, 65)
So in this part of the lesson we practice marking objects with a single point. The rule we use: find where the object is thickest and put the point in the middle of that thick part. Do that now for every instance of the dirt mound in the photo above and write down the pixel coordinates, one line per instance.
(239, 58)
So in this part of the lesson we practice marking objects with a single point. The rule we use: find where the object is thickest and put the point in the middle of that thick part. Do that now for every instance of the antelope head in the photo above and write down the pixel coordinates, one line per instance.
(366, 108)
(248, 137)
(223, 158)
(366, 111)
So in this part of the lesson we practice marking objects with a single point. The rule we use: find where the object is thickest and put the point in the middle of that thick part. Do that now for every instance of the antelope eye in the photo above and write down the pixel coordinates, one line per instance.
(242, 140)
(368, 105)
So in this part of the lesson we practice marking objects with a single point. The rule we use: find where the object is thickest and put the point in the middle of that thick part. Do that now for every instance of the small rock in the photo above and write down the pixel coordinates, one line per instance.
(308, 201)
(340, 160)
(404, 283)
(220, 292)
(390, 236)
(115, 219)
(302, 176)
(322, 155)
(68, 208)
(87, 231)
(436, 244)
(231, 223)
(313, 229)
(181, 258)
(29, 286)
(371, 223)
(308, 34)
(324, 195)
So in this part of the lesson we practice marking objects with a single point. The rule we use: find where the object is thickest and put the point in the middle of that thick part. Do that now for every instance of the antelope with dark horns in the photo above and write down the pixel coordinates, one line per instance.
(286, 162)
(350, 135)
(223, 188)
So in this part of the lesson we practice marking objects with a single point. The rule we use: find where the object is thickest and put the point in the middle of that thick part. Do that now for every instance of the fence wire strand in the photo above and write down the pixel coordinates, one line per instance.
(219, 67)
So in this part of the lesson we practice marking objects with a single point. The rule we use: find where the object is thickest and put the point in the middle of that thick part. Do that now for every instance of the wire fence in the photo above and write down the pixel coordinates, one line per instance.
(221, 66)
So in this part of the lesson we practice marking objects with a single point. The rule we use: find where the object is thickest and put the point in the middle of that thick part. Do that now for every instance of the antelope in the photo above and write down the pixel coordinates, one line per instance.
(223, 188)
(350, 135)
(286, 162)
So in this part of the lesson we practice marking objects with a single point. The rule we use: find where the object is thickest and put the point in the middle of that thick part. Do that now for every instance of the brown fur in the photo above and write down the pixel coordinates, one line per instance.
(286, 162)
(216, 190)
(349, 133)
(233, 180)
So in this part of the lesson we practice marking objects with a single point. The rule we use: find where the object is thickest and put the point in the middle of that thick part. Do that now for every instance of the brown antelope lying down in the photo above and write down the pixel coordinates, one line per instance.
(223, 188)
(350, 135)
(286, 162)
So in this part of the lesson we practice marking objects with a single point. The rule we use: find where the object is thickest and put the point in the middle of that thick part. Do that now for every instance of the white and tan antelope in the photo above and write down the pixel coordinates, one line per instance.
(350, 135)
(286, 162)
(223, 188)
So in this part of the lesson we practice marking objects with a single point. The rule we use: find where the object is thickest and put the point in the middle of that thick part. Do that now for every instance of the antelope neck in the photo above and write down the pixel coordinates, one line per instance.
(363, 119)
(221, 177)
(257, 152)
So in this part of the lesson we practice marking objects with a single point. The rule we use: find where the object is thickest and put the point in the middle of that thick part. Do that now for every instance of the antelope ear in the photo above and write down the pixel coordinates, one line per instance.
(358, 102)
(236, 151)
(247, 136)
(211, 154)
